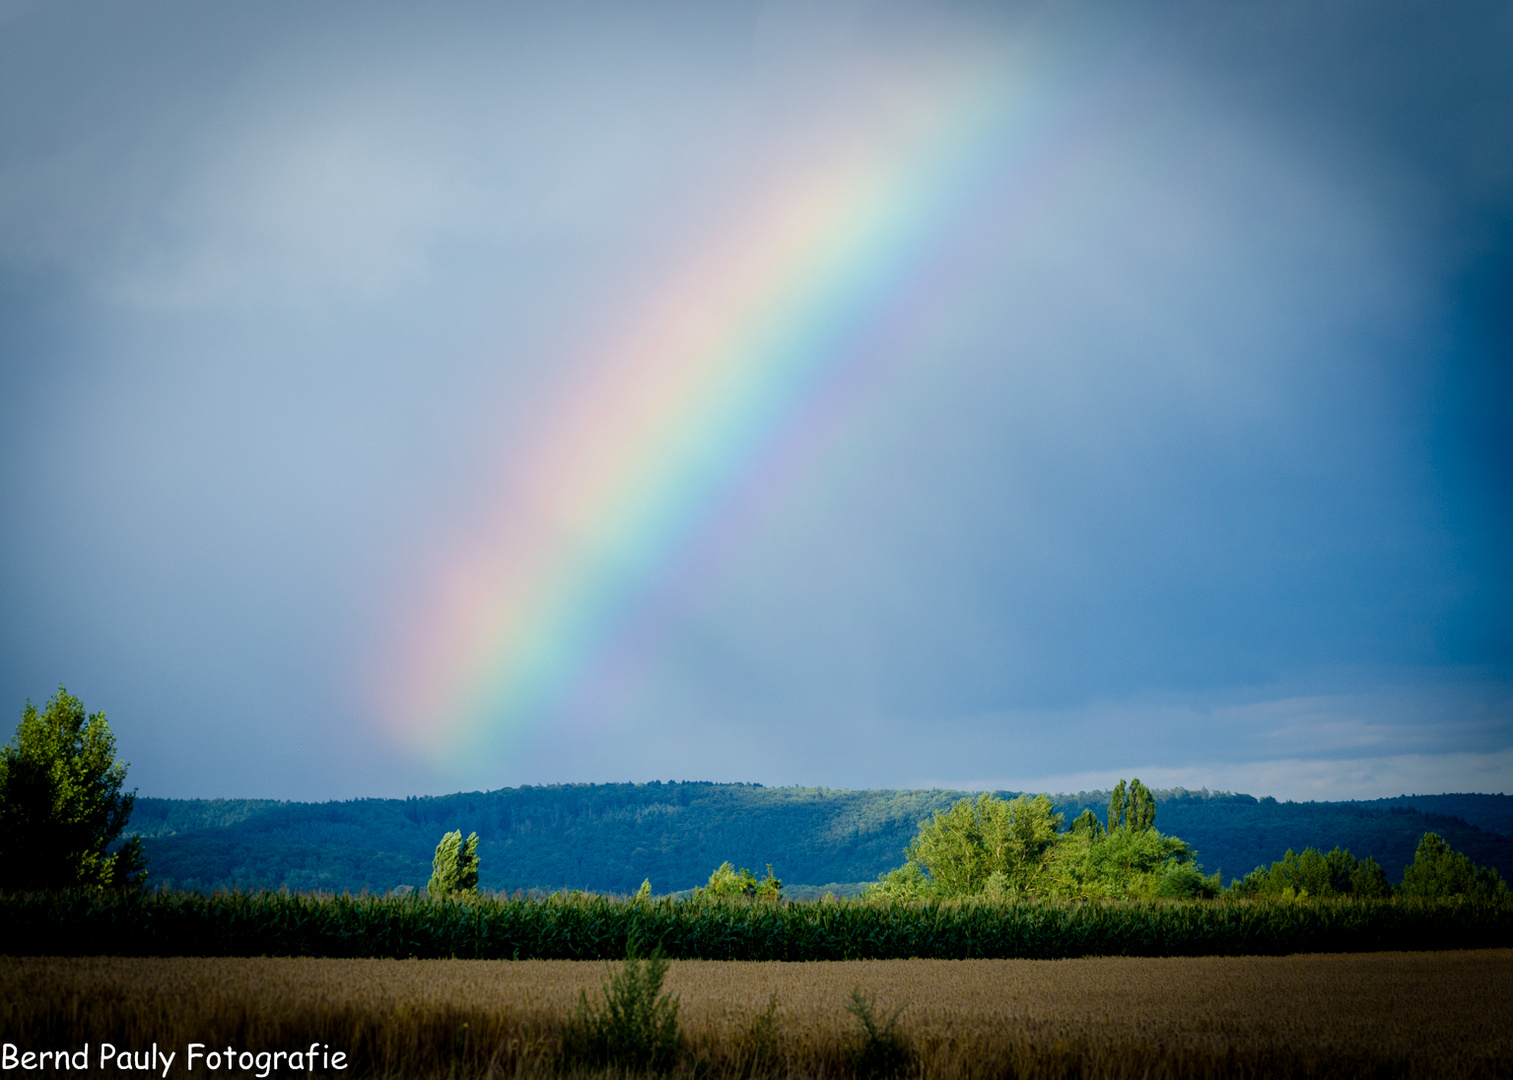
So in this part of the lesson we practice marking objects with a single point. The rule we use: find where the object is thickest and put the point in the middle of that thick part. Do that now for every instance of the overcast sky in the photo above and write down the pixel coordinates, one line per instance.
(405, 399)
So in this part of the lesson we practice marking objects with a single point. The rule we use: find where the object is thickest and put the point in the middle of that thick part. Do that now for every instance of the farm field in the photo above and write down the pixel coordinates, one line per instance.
(1442, 1014)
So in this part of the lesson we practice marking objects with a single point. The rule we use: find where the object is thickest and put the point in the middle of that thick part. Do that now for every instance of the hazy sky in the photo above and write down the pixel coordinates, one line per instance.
(405, 399)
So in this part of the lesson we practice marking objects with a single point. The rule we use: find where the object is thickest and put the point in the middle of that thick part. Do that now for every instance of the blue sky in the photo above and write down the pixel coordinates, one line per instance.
(1201, 473)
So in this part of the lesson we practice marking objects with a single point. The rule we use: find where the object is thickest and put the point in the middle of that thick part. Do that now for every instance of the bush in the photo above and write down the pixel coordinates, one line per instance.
(636, 1026)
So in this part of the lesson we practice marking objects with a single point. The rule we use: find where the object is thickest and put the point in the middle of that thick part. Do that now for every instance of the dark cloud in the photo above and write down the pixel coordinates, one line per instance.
(1217, 440)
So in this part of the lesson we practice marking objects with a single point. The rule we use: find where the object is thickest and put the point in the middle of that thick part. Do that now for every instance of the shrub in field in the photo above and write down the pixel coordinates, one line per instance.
(634, 1028)
(454, 869)
(1437, 873)
(61, 805)
(1313, 873)
(878, 1049)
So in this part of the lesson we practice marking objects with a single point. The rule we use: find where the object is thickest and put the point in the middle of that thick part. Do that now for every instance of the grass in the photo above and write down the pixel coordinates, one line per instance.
(583, 927)
(1445, 1014)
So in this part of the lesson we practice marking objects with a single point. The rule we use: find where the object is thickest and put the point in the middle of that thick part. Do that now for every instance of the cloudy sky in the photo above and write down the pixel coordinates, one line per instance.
(405, 399)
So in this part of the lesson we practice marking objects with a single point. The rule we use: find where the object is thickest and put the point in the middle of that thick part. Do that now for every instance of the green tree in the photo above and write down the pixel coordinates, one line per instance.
(1090, 864)
(975, 841)
(1438, 873)
(454, 869)
(1314, 873)
(61, 804)
(1087, 824)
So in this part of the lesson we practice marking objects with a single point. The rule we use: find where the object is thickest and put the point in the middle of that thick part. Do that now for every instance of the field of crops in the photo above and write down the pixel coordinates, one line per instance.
(582, 927)
(1446, 1014)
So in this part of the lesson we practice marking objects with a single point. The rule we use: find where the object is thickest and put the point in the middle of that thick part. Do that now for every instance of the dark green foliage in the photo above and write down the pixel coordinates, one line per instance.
(1186, 881)
(581, 927)
(879, 1049)
(1087, 824)
(1437, 873)
(61, 804)
(454, 868)
(609, 837)
(635, 1027)
(1312, 873)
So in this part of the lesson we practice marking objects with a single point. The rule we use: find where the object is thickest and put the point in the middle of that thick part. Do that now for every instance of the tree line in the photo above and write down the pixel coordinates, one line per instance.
(62, 813)
(1017, 849)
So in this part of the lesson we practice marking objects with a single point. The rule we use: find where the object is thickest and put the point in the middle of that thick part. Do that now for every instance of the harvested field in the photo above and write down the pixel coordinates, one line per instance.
(1368, 1014)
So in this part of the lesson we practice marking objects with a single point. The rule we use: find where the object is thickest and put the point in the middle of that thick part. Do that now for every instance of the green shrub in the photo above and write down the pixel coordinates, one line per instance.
(635, 1028)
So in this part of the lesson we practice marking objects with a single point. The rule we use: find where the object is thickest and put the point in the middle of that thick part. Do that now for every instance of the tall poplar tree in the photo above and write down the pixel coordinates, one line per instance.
(454, 869)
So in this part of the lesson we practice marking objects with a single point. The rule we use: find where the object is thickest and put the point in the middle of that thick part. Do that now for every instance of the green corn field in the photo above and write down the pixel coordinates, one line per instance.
(588, 927)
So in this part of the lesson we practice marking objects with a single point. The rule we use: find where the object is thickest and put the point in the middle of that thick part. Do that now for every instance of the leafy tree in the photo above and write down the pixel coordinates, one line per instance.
(454, 869)
(1438, 873)
(977, 840)
(1092, 864)
(61, 804)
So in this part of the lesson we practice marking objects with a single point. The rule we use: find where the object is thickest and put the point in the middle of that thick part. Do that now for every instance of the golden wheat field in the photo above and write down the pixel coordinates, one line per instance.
(1372, 1014)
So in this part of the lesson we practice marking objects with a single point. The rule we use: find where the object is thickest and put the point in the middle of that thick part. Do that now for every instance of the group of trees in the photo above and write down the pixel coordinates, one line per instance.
(1436, 873)
(1000, 848)
(1006, 848)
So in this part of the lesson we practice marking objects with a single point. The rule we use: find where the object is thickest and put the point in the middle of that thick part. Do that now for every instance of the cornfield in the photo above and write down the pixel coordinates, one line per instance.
(586, 927)
(1444, 1014)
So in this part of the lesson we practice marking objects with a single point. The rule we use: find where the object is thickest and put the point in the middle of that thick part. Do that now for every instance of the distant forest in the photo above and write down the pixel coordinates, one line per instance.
(609, 837)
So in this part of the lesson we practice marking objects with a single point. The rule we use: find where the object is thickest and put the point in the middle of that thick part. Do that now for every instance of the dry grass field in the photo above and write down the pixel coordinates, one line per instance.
(1438, 1014)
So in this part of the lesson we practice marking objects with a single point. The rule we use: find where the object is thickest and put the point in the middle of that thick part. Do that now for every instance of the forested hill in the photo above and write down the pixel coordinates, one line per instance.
(608, 837)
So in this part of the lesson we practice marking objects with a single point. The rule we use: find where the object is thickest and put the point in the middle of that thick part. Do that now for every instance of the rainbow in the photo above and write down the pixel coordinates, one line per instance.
(674, 427)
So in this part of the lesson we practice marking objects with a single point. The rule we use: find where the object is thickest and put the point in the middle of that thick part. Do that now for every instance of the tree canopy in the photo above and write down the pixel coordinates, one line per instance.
(61, 804)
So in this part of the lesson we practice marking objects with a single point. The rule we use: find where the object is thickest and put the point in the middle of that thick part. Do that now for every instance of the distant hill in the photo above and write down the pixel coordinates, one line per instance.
(609, 837)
